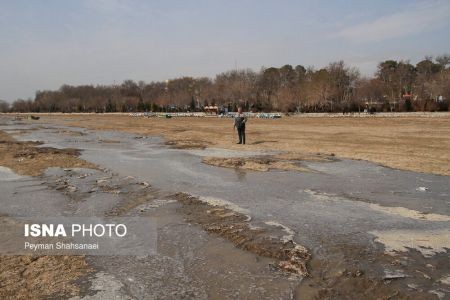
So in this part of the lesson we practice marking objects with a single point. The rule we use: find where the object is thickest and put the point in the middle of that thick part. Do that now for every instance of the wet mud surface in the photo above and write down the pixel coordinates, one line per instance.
(27, 159)
(262, 164)
(187, 144)
(212, 237)
(255, 238)
(181, 269)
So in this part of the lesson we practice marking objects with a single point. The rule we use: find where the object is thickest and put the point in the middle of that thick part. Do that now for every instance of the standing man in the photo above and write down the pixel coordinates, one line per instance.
(239, 124)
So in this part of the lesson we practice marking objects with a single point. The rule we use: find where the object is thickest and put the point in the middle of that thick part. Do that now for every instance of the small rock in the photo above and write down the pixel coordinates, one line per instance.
(71, 189)
(145, 184)
(389, 274)
(445, 280)
(422, 189)
(439, 294)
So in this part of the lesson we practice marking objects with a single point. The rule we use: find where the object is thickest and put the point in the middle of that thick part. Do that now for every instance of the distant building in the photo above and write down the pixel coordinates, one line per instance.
(211, 110)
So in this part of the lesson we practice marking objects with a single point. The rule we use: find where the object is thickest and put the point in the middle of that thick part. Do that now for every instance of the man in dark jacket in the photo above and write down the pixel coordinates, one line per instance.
(239, 123)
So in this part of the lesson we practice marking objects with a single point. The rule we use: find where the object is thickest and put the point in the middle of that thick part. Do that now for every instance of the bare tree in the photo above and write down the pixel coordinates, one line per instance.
(4, 106)
(336, 87)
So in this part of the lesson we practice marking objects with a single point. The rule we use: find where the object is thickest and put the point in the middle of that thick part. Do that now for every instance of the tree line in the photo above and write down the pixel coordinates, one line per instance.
(396, 86)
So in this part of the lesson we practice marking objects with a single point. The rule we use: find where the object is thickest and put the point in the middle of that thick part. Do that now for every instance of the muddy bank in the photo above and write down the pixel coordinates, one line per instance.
(235, 227)
(70, 132)
(187, 144)
(343, 277)
(285, 161)
(25, 158)
(262, 164)
(352, 274)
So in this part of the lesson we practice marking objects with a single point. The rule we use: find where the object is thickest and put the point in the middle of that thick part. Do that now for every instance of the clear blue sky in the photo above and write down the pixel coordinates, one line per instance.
(44, 44)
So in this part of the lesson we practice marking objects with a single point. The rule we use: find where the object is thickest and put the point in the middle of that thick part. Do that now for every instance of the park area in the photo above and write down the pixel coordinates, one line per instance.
(314, 206)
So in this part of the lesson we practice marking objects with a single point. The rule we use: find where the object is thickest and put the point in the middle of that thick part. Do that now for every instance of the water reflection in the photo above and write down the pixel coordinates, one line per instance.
(241, 174)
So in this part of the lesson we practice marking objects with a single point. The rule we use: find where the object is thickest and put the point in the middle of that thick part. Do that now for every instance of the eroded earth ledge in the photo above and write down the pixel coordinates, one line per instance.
(235, 227)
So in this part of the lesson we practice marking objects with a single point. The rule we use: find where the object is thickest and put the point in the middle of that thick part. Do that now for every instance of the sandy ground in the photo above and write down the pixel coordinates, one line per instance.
(410, 143)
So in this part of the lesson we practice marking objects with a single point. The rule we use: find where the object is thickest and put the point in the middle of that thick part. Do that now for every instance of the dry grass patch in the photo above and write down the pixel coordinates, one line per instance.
(40, 277)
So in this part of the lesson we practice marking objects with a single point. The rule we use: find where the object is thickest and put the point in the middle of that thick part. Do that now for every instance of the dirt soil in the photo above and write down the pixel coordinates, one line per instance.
(132, 202)
(410, 143)
(234, 227)
(40, 277)
(27, 159)
(285, 162)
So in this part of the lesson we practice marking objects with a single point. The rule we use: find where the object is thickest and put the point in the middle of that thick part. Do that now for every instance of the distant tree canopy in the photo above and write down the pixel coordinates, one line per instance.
(4, 106)
(396, 86)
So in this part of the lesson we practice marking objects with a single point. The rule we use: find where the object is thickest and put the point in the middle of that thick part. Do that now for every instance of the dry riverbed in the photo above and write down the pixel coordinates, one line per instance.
(261, 243)
(38, 277)
(416, 143)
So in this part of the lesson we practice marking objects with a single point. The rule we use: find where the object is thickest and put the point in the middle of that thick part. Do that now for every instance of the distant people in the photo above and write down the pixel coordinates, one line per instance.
(239, 124)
